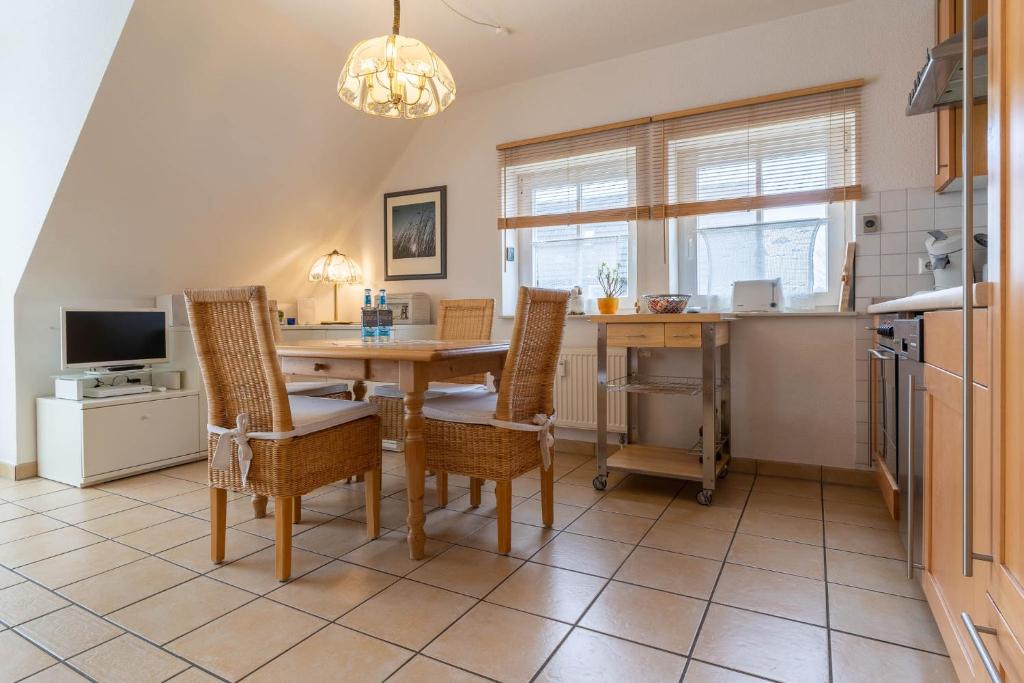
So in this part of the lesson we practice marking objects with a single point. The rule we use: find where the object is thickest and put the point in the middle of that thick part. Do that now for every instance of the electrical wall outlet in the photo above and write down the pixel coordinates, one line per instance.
(871, 224)
(922, 265)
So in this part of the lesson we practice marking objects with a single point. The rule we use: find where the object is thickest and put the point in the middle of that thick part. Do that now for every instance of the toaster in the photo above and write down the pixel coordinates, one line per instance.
(757, 295)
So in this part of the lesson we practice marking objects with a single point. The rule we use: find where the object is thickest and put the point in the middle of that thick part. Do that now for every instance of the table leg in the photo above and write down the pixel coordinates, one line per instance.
(601, 448)
(710, 433)
(415, 462)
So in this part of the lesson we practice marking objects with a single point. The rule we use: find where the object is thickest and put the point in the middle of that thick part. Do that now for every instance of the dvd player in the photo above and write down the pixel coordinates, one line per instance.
(118, 390)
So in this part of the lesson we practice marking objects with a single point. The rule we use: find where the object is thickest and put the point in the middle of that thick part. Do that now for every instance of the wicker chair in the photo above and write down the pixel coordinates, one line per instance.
(463, 319)
(501, 436)
(297, 443)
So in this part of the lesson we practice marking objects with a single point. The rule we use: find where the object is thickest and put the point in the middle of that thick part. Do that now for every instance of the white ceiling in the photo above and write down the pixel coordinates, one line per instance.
(546, 35)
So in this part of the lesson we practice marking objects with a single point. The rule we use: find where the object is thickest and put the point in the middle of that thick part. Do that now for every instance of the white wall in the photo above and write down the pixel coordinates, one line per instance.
(216, 153)
(52, 56)
(880, 40)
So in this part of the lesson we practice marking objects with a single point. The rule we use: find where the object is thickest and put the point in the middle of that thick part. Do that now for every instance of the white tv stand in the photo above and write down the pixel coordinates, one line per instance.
(98, 439)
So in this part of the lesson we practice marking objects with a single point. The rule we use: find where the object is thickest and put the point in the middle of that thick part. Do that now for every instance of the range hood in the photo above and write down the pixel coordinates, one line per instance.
(940, 83)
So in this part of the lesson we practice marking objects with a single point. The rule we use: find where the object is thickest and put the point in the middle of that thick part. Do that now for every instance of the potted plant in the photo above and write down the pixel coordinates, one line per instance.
(613, 285)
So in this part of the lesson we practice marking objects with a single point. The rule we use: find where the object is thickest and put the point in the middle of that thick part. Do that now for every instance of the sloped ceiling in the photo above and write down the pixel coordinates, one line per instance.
(216, 153)
(545, 35)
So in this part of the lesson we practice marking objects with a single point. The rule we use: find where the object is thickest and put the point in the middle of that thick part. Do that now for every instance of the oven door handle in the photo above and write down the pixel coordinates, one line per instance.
(881, 356)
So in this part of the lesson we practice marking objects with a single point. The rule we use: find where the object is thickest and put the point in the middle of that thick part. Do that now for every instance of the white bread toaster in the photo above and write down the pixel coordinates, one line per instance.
(757, 295)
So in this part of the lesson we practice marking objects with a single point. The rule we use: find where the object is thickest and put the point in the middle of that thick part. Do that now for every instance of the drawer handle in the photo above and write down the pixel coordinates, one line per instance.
(634, 336)
(986, 659)
(319, 366)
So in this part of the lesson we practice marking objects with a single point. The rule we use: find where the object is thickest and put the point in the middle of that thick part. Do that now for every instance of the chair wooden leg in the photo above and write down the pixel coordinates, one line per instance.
(441, 483)
(296, 509)
(547, 495)
(476, 485)
(373, 503)
(503, 492)
(218, 523)
(259, 506)
(360, 478)
(283, 507)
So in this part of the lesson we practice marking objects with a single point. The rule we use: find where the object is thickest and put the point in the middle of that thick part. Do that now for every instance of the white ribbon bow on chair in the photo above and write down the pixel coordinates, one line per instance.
(545, 436)
(222, 454)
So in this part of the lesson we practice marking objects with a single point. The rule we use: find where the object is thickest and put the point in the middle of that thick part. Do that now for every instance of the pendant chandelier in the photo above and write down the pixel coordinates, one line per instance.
(396, 77)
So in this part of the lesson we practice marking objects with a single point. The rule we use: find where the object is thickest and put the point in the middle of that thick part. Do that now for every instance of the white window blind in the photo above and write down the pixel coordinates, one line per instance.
(788, 149)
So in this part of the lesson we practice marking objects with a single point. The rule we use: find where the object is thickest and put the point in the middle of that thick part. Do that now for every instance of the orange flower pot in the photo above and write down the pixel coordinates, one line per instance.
(608, 305)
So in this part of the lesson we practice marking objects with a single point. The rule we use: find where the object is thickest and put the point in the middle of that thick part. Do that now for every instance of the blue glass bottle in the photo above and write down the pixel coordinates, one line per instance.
(369, 316)
(383, 317)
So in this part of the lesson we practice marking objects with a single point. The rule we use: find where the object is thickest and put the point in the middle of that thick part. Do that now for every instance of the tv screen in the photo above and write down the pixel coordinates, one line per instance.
(103, 338)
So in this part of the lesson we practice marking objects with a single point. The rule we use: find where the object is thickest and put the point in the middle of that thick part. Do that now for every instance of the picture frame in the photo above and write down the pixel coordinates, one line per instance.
(416, 234)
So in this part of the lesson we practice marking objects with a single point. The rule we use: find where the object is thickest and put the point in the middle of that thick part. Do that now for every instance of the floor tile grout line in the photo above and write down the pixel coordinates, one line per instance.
(104, 618)
(528, 559)
(892, 643)
(828, 614)
(718, 578)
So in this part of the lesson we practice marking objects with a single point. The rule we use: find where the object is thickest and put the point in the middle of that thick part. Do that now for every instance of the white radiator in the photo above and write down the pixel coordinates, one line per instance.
(576, 389)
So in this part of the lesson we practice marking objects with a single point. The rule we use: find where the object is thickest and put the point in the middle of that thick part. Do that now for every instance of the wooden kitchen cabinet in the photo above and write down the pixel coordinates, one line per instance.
(1006, 197)
(949, 593)
(948, 143)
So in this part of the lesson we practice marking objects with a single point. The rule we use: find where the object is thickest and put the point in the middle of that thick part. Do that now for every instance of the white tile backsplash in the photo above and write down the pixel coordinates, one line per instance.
(894, 200)
(893, 243)
(949, 218)
(868, 286)
(894, 221)
(868, 265)
(921, 219)
(915, 241)
(870, 203)
(868, 245)
(920, 283)
(920, 198)
(893, 285)
(893, 264)
(913, 264)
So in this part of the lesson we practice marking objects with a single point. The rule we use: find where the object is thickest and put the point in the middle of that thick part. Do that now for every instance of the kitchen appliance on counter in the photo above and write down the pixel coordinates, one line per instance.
(945, 256)
(757, 295)
(900, 352)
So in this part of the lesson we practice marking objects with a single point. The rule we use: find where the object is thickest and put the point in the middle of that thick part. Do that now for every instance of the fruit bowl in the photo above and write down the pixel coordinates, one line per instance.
(666, 303)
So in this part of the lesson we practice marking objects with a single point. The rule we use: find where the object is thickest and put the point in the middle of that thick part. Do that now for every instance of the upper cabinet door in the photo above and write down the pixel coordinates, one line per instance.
(1006, 197)
(948, 122)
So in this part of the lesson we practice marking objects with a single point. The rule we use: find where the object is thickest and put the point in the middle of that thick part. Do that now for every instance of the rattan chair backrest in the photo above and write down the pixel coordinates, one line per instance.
(234, 340)
(527, 381)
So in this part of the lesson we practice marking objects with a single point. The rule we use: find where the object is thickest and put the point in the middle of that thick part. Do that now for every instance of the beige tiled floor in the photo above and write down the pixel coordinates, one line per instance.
(781, 580)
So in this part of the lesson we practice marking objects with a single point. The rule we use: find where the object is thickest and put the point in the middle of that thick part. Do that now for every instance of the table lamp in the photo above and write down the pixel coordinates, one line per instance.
(338, 269)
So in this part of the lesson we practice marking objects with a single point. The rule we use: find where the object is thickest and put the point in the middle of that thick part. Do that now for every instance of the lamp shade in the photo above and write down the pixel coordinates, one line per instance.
(336, 268)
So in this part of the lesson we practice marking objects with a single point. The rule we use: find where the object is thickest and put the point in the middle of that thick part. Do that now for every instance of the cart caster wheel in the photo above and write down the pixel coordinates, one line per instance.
(724, 473)
(600, 483)
(704, 497)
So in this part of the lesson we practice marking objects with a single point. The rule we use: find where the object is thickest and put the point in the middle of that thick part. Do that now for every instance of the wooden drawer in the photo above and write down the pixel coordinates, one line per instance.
(123, 436)
(943, 343)
(682, 335)
(638, 334)
(335, 368)
(1004, 647)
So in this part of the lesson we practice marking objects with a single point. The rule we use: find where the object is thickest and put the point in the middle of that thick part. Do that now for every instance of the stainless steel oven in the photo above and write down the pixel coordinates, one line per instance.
(885, 431)
(900, 428)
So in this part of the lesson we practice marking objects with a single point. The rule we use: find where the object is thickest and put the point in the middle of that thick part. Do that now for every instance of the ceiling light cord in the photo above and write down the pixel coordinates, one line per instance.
(497, 28)
(397, 18)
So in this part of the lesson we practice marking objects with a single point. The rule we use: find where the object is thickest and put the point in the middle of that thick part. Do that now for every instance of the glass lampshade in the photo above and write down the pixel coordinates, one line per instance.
(336, 268)
(396, 77)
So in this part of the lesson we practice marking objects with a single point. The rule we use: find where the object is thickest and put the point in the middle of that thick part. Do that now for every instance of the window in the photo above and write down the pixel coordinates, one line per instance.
(758, 188)
(564, 200)
(772, 167)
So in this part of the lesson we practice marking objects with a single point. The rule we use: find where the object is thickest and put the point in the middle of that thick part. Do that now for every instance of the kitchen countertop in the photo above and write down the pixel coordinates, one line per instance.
(934, 301)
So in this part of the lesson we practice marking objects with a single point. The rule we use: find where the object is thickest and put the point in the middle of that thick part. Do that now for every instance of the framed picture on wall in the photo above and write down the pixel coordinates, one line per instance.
(415, 234)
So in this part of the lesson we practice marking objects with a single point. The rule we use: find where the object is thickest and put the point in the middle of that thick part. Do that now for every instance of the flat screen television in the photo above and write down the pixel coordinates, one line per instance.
(109, 338)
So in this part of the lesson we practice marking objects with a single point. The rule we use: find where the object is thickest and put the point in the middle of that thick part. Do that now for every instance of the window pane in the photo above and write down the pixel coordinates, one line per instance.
(794, 172)
(563, 232)
(604, 194)
(557, 199)
(568, 262)
(790, 250)
(722, 181)
(721, 220)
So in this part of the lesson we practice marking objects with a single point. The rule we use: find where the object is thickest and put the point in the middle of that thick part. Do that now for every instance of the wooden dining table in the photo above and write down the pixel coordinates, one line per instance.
(412, 365)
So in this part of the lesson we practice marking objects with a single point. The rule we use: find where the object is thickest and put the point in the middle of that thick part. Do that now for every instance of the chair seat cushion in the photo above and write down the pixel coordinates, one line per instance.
(475, 406)
(315, 387)
(434, 390)
(311, 414)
